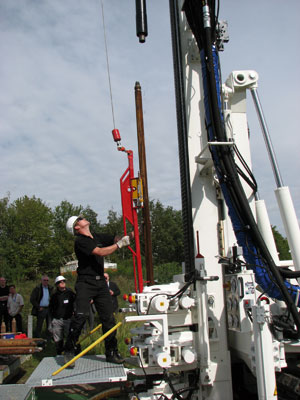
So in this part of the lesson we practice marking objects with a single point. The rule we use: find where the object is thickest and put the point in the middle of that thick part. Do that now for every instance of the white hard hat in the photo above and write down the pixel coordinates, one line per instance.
(71, 222)
(59, 279)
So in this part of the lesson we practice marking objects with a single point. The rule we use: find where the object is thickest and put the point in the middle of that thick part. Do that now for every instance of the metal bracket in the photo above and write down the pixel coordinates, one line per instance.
(47, 382)
(222, 34)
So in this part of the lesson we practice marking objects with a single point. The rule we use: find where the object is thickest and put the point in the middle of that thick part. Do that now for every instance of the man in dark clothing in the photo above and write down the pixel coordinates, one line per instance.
(114, 292)
(40, 297)
(91, 285)
(61, 309)
(4, 292)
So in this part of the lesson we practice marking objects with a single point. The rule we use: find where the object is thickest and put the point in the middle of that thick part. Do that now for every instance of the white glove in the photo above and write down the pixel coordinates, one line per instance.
(125, 241)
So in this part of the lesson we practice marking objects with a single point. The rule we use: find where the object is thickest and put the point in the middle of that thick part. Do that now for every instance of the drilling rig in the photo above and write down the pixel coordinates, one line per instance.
(228, 326)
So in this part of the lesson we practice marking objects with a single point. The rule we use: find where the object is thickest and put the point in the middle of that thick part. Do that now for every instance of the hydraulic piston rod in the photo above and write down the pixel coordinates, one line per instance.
(267, 138)
(283, 196)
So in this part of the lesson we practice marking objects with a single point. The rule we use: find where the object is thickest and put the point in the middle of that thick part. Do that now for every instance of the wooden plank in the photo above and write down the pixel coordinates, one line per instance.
(20, 350)
(21, 342)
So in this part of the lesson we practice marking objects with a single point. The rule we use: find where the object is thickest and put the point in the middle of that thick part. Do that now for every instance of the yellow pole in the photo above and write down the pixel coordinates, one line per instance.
(87, 335)
(87, 349)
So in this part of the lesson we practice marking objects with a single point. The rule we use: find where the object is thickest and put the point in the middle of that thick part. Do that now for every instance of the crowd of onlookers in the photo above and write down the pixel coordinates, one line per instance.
(51, 305)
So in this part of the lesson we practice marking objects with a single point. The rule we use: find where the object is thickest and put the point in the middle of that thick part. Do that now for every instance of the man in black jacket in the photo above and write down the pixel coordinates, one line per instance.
(61, 308)
(40, 297)
(114, 292)
(4, 292)
(91, 285)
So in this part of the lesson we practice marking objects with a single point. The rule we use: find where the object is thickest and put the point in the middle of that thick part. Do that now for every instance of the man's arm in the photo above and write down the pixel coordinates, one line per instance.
(20, 309)
(20, 303)
(34, 298)
(106, 251)
(5, 293)
(51, 304)
(115, 289)
(8, 306)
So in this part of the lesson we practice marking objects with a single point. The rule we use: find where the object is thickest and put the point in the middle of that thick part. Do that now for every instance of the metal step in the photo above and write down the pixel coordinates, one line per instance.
(10, 365)
(16, 392)
(88, 369)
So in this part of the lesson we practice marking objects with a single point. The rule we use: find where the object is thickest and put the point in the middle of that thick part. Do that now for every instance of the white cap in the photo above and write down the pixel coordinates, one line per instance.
(71, 222)
(59, 279)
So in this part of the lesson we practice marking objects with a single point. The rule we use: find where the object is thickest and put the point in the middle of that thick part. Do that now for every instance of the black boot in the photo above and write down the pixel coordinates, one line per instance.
(113, 356)
(77, 349)
(68, 356)
(59, 347)
(69, 353)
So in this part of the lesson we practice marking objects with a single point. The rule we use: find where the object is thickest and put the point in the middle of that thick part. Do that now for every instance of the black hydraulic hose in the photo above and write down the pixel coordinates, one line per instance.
(287, 273)
(176, 395)
(230, 171)
(186, 196)
(258, 241)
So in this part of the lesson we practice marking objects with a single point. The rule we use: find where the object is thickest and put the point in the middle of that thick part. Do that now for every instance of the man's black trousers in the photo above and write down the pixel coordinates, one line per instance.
(88, 288)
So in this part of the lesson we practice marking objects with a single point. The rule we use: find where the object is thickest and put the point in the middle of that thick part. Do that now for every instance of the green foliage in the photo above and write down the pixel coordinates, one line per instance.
(114, 225)
(26, 238)
(125, 268)
(34, 240)
(166, 232)
(163, 273)
(282, 245)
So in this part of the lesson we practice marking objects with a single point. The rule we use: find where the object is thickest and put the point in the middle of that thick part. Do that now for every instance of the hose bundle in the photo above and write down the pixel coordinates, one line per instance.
(202, 21)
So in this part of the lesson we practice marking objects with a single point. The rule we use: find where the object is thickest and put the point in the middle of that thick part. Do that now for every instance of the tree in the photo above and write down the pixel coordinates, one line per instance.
(114, 225)
(28, 235)
(91, 216)
(5, 237)
(282, 245)
(167, 234)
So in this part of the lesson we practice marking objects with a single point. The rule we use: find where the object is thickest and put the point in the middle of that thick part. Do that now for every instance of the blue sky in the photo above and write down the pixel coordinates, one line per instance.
(55, 111)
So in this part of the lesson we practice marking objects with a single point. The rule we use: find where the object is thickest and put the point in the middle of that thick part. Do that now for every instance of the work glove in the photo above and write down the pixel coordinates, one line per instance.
(125, 241)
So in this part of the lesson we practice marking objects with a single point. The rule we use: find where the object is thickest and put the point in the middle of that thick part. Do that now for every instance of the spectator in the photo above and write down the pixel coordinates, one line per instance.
(114, 291)
(4, 292)
(39, 299)
(61, 308)
(15, 304)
